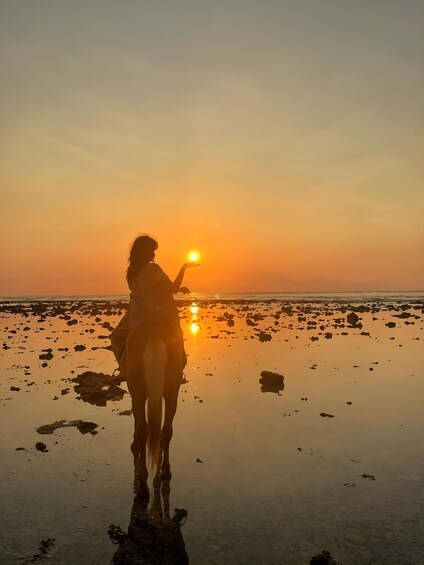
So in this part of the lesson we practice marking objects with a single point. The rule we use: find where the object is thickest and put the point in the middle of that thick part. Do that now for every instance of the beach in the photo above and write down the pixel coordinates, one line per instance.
(327, 455)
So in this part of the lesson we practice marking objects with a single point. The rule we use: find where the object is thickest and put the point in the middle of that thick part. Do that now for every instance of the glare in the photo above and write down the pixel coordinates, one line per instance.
(194, 309)
(193, 256)
(194, 328)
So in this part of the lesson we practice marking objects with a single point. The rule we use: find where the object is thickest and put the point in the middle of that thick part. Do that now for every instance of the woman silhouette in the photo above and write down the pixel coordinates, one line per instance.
(148, 345)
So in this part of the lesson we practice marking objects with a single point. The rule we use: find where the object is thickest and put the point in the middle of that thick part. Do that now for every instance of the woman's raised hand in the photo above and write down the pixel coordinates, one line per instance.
(191, 264)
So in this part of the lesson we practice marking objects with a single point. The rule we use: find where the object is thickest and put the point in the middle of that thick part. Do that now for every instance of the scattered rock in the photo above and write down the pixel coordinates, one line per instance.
(352, 319)
(263, 336)
(325, 415)
(271, 382)
(83, 427)
(79, 347)
(97, 388)
(323, 558)
(46, 356)
(40, 446)
(367, 476)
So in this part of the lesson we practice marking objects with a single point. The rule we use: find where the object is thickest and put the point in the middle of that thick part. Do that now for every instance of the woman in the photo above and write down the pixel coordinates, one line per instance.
(151, 296)
(148, 345)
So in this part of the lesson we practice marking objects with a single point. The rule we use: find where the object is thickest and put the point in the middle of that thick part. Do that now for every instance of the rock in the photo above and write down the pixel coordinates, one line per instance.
(40, 446)
(323, 558)
(79, 347)
(325, 415)
(271, 382)
(83, 427)
(15, 388)
(367, 476)
(46, 356)
(352, 319)
(264, 336)
(97, 388)
(199, 460)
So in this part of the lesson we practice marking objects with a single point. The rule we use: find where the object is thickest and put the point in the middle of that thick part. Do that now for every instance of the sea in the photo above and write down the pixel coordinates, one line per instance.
(301, 297)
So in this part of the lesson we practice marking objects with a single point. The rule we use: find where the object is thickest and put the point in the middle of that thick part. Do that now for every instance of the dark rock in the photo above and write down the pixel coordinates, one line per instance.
(83, 427)
(40, 446)
(325, 415)
(352, 319)
(46, 356)
(271, 382)
(264, 336)
(79, 347)
(323, 558)
(97, 388)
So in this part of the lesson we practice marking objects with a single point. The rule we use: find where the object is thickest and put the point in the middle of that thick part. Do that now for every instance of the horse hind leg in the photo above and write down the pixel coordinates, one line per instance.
(138, 448)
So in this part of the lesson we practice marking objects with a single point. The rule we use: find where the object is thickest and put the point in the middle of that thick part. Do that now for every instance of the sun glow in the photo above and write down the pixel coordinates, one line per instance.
(194, 328)
(193, 256)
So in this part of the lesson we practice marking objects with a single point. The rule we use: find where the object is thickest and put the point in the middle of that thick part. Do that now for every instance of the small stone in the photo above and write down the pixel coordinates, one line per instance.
(40, 446)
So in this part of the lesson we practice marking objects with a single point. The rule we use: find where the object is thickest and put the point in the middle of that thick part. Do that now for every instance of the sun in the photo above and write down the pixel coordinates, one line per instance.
(193, 256)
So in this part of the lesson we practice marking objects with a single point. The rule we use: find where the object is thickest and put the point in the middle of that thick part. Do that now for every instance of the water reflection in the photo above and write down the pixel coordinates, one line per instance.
(153, 536)
(194, 322)
(194, 328)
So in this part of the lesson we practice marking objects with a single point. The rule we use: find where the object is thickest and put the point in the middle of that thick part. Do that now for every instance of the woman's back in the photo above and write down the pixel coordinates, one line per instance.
(152, 298)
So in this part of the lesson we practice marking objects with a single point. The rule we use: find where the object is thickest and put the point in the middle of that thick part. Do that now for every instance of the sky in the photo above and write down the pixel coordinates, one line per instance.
(283, 139)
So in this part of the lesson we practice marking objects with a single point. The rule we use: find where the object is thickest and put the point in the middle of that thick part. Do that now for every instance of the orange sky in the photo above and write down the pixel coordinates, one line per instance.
(285, 144)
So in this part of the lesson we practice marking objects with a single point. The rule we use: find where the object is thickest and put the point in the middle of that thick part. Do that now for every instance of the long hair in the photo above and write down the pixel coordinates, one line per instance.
(142, 252)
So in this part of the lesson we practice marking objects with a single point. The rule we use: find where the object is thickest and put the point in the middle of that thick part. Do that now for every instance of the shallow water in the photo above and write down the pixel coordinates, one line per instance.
(277, 482)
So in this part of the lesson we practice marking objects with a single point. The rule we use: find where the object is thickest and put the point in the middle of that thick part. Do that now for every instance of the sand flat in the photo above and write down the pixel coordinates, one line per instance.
(277, 482)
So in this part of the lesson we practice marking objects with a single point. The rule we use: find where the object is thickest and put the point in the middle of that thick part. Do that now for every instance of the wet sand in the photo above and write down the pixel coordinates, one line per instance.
(329, 458)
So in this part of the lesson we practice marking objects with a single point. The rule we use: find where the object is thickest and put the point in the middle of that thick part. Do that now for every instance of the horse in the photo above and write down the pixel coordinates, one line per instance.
(154, 364)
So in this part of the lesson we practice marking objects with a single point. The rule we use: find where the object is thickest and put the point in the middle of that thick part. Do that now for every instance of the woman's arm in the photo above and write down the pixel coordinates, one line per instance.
(177, 283)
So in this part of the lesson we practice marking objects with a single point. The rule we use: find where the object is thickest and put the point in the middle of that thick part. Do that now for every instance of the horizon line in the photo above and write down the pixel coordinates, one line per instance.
(7, 296)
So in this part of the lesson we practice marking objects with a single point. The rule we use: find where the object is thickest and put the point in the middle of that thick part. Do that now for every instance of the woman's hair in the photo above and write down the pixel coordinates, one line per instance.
(142, 252)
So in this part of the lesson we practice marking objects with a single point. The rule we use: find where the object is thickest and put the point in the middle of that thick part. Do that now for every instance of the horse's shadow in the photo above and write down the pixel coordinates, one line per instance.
(153, 537)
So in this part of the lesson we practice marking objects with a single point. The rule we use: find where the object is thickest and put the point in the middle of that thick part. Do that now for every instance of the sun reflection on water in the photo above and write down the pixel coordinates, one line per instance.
(194, 321)
(194, 327)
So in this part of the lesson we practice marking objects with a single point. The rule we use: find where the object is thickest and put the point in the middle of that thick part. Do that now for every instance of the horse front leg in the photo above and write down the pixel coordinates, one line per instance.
(167, 431)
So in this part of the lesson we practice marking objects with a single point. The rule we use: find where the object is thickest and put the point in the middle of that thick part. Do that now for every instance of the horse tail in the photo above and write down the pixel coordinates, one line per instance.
(154, 361)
